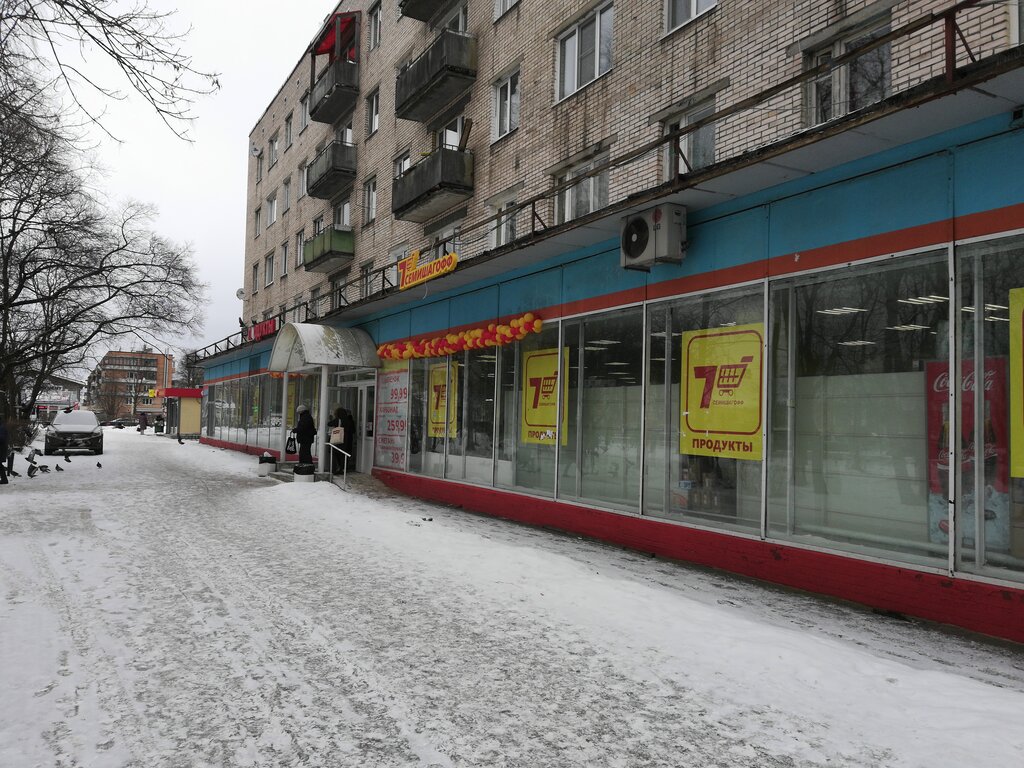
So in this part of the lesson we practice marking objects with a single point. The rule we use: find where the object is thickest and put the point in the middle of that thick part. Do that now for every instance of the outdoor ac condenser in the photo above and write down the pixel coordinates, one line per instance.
(654, 236)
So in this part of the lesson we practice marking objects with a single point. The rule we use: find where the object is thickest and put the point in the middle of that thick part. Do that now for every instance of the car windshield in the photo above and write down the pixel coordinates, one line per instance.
(78, 418)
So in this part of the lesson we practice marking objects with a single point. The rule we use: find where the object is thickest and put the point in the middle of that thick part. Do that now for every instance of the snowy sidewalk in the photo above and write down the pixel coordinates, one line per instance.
(172, 609)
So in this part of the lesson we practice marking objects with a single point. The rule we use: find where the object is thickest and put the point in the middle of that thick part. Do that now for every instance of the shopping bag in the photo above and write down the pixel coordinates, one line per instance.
(337, 435)
(290, 446)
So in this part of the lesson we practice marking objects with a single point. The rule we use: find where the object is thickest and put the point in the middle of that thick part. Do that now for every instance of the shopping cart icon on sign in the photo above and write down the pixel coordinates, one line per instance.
(731, 376)
(547, 385)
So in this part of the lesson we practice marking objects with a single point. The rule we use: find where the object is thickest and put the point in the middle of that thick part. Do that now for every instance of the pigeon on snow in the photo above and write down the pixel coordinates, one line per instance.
(99, 465)
(32, 470)
(58, 467)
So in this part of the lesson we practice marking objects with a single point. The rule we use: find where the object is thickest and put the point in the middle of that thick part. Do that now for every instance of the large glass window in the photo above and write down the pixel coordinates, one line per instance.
(600, 452)
(585, 51)
(704, 409)
(852, 355)
(991, 278)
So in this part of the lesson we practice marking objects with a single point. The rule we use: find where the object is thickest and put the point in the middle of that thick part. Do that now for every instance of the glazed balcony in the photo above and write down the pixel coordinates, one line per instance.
(335, 92)
(441, 73)
(332, 171)
(421, 10)
(331, 250)
(442, 179)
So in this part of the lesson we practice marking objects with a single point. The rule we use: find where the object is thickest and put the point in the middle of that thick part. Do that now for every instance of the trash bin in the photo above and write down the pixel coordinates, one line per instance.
(159, 428)
(304, 473)
(267, 465)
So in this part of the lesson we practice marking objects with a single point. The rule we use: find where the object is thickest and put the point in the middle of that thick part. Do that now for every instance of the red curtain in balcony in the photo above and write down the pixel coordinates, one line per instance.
(324, 44)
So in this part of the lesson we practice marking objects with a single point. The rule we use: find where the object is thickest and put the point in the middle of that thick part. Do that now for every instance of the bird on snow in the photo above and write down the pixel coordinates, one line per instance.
(31, 459)
(99, 465)
(32, 470)
(44, 468)
(58, 467)
(66, 457)
(14, 473)
(180, 441)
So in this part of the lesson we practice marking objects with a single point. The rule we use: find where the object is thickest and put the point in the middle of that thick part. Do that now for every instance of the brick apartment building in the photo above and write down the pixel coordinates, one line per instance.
(708, 278)
(125, 383)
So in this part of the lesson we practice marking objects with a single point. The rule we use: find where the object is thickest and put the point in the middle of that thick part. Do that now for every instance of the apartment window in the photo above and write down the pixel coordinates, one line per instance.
(451, 135)
(585, 51)
(259, 166)
(338, 292)
(302, 179)
(364, 279)
(506, 105)
(395, 256)
(698, 146)
(402, 163)
(590, 194)
(318, 225)
(297, 308)
(271, 209)
(372, 113)
(343, 133)
(445, 242)
(374, 22)
(288, 131)
(268, 269)
(255, 279)
(682, 11)
(286, 194)
(300, 240)
(303, 111)
(505, 225)
(855, 85)
(314, 302)
(267, 314)
(501, 7)
(457, 20)
(256, 222)
(370, 201)
(272, 147)
(343, 215)
(284, 259)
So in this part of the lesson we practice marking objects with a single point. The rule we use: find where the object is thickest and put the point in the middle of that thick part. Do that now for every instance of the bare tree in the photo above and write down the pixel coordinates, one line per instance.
(43, 36)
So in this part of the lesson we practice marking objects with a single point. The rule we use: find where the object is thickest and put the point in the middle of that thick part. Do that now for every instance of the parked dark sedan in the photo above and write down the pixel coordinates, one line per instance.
(73, 429)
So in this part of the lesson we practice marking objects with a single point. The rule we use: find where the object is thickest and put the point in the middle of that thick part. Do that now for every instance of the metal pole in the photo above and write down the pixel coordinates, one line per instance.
(979, 412)
(765, 415)
(284, 416)
(644, 370)
(322, 416)
(954, 479)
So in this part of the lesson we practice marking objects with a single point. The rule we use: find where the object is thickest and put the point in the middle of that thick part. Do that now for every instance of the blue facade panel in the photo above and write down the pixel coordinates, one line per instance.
(990, 174)
(597, 275)
(541, 289)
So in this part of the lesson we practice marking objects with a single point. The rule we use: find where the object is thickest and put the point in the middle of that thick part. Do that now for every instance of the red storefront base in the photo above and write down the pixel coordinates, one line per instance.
(989, 609)
(252, 450)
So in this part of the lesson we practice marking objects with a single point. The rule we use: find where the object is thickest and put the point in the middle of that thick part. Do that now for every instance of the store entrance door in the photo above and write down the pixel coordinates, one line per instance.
(358, 397)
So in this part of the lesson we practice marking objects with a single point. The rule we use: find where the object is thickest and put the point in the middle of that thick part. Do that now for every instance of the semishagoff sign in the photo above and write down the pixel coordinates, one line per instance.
(411, 272)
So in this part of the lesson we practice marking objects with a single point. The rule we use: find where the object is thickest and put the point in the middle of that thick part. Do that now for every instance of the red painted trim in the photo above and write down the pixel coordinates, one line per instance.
(934, 234)
(986, 608)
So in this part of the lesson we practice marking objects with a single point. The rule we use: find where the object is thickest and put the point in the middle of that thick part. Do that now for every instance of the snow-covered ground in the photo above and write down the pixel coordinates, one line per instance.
(172, 609)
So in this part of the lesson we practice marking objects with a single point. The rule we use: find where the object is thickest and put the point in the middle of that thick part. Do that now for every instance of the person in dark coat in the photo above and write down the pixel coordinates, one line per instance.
(143, 422)
(350, 438)
(338, 421)
(305, 431)
(5, 449)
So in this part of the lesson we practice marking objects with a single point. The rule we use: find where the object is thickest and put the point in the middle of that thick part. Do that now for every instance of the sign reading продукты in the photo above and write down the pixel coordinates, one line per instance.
(392, 417)
(721, 392)
(540, 396)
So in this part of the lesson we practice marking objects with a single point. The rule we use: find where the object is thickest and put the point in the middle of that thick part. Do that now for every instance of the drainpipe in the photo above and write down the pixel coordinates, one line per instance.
(321, 427)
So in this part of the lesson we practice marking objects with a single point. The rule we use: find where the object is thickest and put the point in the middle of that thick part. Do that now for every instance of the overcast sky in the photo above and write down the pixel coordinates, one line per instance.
(199, 188)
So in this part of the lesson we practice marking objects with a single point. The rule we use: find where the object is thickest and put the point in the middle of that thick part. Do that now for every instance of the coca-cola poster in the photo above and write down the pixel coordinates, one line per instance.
(993, 454)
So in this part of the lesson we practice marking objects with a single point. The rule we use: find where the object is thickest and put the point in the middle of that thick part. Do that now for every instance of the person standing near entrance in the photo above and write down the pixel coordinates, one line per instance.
(305, 431)
(349, 424)
(335, 423)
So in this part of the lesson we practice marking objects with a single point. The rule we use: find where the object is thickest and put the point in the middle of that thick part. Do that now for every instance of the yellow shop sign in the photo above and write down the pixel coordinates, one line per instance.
(411, 272)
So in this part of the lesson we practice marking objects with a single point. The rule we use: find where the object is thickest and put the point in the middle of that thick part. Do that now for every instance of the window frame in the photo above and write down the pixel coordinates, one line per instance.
(370, 200)
(373, 113)
(574, 33)
(288, 131)
(565, 201)
(255, 279)
(503, 234)
(284, 259)
(501, 7)
(682, 119)
(286, 194)
(273, 150)
(505, 85)
(694, 13)
(838, 78)
(271, 210)
(257, 221)
(268, 270)
(401, 164)
(303, 179)
(300, 241)
(374, 20)
(303, 112)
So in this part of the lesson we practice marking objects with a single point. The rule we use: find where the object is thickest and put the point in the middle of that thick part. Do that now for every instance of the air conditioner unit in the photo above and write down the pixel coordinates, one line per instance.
(653, 236)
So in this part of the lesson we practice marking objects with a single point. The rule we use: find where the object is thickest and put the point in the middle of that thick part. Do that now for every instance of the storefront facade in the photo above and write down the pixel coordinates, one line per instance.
(796, 401)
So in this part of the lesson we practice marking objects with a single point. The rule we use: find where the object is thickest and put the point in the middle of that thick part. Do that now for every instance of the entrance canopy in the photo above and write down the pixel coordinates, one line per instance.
(301, 345)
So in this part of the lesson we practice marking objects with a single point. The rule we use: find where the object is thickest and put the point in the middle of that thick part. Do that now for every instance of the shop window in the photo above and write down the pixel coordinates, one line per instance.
(704, 414)
(854, 358)
(855, 85)
(585, 51)
(682, 11)
(428, 410)
(600, 450)
(991, 279)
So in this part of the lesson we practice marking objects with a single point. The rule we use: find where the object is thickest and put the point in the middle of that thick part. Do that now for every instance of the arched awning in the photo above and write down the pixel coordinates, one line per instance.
(301, 345)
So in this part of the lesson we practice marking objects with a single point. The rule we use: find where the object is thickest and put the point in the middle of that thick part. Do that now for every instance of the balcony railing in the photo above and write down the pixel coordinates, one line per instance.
(331, 250)
(335, 91)
(436, 183)
(421, 10)
(332, 171)
(442, 72)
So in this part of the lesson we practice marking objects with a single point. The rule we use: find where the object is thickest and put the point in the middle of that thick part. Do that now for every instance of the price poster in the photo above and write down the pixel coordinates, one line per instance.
(540, 396)
(439, 394)
(392, 417)
(720, 393)
(1017, 382)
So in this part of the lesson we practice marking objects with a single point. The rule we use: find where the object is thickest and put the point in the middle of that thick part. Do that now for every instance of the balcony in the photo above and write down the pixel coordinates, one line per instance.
(332, 171)
(421, 10)
(331, 250)
(442, 72)
(436, 183)
(335, 92)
